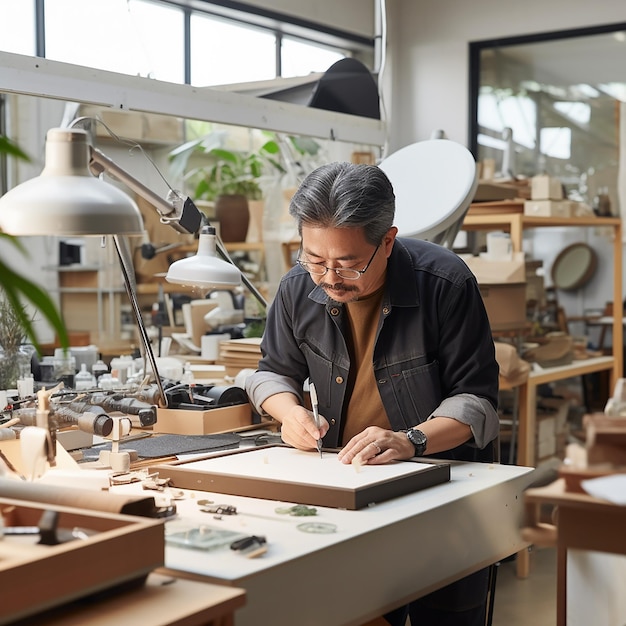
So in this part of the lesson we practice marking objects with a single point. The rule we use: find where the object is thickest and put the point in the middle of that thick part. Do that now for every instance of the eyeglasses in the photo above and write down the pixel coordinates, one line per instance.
(343, 272)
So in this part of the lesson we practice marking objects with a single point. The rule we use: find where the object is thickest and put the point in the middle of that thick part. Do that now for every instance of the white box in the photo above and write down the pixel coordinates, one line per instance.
(548, 208)
(490, 272)
(545, 187)
(546, 447)
(546, 427)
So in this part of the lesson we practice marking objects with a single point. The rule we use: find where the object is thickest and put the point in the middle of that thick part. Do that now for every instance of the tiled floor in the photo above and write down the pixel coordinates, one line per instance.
(532, 600)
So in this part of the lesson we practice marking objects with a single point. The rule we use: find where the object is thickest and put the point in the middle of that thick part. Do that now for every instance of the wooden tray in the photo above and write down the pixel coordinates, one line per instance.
(218, 420)
(122, 551)
(279, 472)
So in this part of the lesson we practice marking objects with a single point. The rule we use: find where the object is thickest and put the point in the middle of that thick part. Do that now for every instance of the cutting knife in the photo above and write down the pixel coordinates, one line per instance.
(316, 415)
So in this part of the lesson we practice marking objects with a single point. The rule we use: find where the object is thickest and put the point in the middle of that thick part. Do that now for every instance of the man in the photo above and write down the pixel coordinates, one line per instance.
(394, 334)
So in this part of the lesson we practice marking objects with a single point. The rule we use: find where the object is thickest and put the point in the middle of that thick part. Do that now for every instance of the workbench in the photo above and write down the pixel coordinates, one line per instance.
(379, 558)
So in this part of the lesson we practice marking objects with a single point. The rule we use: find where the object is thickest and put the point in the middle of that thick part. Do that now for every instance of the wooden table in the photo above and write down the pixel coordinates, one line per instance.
(584, 523)
(527, 414)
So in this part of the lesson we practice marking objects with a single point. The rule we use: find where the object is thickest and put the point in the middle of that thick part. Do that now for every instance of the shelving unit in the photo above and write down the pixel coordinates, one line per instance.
(83, 299)
(516, 224)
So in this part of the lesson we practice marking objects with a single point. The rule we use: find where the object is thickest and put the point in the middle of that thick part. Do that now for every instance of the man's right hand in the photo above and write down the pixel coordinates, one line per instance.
(299, 430)
(298, 424)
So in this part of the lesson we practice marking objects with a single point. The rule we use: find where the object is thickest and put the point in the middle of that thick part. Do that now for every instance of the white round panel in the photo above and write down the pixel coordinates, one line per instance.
(434, 182)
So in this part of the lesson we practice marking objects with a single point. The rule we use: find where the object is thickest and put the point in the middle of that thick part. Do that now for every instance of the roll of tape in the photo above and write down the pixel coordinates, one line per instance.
(227, 394)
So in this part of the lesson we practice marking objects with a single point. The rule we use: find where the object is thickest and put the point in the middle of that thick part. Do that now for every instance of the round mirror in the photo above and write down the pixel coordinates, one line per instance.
(574, 266)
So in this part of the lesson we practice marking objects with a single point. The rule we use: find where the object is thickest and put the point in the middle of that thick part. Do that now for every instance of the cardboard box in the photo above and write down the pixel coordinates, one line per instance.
(503, 288)
(548, 208)
(219, 420)
(490, 272)
(193, 318)
(127, 124)
(162, 128)
(505, 305)
(545, 187)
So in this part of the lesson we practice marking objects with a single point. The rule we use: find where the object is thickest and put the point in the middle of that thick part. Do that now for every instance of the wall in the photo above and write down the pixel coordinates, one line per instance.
(428, 41)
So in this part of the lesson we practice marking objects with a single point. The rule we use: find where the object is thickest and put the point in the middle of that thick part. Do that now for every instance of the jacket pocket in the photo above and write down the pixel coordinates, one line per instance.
(418, 392)
(320, 372)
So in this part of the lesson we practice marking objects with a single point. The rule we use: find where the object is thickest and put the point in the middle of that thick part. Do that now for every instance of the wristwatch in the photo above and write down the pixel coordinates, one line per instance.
(417, 438)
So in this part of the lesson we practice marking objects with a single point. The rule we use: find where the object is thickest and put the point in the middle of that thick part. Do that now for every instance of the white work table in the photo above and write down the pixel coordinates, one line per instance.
(379, 558)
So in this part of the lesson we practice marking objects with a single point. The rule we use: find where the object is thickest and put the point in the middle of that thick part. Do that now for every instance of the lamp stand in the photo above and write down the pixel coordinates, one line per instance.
(121, 247)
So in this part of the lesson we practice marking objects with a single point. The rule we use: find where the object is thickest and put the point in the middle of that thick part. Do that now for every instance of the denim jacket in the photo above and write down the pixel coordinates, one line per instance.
(433, 356)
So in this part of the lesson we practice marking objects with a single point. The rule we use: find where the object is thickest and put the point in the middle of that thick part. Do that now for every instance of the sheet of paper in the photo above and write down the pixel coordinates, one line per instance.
(611, 488)
(304, 467)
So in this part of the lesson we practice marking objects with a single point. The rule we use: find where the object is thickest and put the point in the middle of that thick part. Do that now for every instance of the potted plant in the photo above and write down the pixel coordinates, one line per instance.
(228, 178)
(14, 355)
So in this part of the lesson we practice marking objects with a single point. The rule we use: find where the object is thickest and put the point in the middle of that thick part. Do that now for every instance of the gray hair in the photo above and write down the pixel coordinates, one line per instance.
(345, 195)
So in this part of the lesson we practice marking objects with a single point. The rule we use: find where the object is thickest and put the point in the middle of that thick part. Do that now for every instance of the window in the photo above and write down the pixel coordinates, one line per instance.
(300, 58)
(170, 41)
(17, 27)
(130, 37)
(225, 53)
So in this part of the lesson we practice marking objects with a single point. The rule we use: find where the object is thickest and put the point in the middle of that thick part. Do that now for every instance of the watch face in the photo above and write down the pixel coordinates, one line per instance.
(418, 439)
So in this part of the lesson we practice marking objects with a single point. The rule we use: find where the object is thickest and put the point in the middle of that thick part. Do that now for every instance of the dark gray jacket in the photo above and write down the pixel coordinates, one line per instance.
(434, 352)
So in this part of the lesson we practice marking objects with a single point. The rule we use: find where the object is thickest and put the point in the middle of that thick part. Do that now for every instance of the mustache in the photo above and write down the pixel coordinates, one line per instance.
(339, 287)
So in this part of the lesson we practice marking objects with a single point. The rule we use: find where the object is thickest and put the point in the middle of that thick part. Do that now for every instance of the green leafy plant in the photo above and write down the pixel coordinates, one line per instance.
(16, 288)
(225, 172)
(13, 358)
(211, 170)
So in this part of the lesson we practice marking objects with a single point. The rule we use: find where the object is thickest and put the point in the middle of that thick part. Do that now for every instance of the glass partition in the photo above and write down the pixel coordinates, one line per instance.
(552, 103)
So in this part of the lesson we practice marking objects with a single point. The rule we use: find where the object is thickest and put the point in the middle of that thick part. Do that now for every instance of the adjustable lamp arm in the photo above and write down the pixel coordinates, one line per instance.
(177, 211)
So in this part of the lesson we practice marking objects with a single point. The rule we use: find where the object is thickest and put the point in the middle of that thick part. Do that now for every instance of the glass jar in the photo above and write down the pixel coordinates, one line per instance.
(15, 365)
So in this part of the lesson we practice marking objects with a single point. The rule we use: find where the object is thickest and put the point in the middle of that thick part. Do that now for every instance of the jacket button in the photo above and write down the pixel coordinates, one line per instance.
(339, 380)
(332, 421)
(386, 310)
(334, 311)
(382, 381)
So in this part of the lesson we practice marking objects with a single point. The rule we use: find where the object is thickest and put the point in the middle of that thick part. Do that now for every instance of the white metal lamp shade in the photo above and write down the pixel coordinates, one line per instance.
(205, 269)
(66, 199)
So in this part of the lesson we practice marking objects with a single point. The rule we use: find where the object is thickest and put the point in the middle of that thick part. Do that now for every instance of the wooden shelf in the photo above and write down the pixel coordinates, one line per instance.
(515, 224)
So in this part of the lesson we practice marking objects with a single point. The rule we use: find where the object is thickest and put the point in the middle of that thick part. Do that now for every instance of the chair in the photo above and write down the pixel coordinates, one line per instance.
(290, 249)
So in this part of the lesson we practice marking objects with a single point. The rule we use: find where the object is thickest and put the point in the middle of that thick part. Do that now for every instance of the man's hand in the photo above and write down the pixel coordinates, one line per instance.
(299, 430)
(376, 446)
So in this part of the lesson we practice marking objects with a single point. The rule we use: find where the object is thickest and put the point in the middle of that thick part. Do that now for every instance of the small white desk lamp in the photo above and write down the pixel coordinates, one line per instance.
(67, 199)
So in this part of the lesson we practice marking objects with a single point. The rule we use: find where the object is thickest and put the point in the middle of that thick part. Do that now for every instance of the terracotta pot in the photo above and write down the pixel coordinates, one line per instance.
(233, 214)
